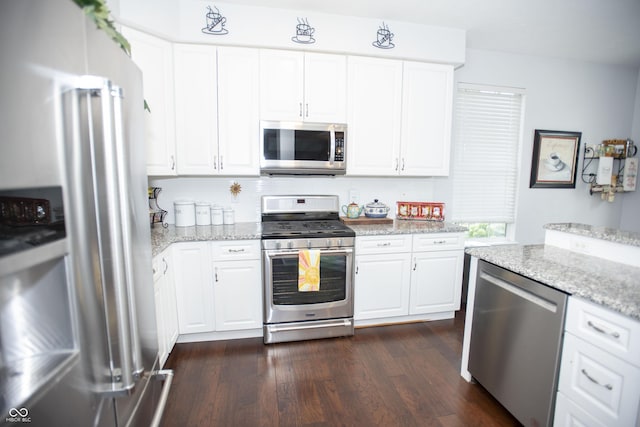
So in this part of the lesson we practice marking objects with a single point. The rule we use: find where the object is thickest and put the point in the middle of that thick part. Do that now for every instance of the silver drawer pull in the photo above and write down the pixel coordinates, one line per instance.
(602, 331)
(439, 242)
(384, 244)
(235, 251)
(593, 380)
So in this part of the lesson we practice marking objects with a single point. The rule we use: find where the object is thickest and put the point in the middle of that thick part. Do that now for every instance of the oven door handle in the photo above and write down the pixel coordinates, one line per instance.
(295, 252)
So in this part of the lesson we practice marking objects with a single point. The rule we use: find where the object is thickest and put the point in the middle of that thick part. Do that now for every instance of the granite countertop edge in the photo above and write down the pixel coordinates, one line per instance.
(597, 232)
(163, 237)
(606, 283)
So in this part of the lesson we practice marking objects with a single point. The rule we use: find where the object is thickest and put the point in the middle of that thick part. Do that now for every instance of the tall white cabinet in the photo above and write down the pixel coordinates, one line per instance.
(302, 86)
(165, 304)
(216, 110)
(374, 116)
(154, 57)
(399, 117)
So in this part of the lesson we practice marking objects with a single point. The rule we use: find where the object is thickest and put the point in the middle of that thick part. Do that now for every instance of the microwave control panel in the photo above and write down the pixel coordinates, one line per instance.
(339, 153)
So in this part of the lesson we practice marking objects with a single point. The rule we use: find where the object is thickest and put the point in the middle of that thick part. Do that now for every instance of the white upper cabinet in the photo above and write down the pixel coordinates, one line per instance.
(196, 109)
(427, 92)
(217, 115)
(238, 111)
(154, 57)
(297, 86)
(399, 117)
(373, 116)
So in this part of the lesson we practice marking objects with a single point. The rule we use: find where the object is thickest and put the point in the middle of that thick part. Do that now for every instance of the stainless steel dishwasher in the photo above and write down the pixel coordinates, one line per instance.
(516, 337)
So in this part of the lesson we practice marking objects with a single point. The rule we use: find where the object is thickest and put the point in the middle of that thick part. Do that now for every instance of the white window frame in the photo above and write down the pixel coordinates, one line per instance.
(510, 226)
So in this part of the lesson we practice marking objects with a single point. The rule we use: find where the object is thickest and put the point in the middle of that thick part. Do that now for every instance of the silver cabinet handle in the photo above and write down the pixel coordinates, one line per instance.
(381, 245)
(166, 266)
(235, 251)
(215, 162)
(301, 109)
(396, 167)
(602, 331)
(215, 275)
(593, 380)
(403, 163)
(221, 162)
(357, 269)
(415, 264)
(439, 242)
(173, 163)
(306, 110)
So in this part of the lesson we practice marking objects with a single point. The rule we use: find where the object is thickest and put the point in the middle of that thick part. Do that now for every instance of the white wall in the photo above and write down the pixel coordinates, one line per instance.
(595, 99)
(630, 217)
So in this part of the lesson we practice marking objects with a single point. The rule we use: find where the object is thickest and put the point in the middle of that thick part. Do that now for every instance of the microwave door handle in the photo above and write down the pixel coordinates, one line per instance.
(332, 147)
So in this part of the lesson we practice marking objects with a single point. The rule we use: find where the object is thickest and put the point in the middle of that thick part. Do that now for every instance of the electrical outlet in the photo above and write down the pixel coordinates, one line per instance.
(354, 196)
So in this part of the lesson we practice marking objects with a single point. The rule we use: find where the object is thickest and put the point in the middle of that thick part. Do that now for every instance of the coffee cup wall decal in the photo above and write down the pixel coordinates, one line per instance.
(215, 22)
(384, 38)
(304, 32)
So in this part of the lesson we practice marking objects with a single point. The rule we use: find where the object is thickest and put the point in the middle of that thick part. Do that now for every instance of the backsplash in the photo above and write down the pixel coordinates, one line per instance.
(246, 205)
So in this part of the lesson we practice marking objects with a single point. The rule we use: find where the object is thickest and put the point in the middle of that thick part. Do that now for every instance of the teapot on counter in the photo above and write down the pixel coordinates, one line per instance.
(352, 210)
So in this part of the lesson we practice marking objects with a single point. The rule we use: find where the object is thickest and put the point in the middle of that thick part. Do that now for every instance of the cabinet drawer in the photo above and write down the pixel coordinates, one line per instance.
(568, 414)
(438, 242)
(236, 250)
(606, 387)
(613, 332)
(383, 244)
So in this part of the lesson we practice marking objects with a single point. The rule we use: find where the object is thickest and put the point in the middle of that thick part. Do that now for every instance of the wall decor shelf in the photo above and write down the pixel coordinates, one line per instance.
(156, 213)
(620, 171)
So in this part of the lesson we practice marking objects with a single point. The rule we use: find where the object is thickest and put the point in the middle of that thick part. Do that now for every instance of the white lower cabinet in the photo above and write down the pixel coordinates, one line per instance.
(237, 286)
(194, 287)
(599, 383)
(382, 285)
(165, 304)
(218, 286)
(407, 277)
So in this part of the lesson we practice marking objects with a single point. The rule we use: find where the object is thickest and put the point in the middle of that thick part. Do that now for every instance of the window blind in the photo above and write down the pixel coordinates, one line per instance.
(487, 133)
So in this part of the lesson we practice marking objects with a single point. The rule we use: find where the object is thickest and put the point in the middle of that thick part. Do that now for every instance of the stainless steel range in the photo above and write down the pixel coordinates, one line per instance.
(307, 269)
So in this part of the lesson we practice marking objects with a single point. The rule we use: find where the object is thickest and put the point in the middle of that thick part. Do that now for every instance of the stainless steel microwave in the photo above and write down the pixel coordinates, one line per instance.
(302, 148)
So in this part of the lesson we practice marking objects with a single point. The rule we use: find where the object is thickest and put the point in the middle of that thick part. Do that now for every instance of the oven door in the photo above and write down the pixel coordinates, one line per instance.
(283, 301)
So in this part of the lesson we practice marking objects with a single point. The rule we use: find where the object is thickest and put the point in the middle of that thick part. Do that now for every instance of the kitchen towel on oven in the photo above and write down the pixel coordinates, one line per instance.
(309, 270)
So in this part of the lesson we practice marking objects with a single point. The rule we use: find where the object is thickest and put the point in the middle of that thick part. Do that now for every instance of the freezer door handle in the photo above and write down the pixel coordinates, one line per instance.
(165, 375)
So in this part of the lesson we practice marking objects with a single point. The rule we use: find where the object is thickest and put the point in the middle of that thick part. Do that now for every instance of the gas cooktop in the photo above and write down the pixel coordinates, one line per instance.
(305, 229)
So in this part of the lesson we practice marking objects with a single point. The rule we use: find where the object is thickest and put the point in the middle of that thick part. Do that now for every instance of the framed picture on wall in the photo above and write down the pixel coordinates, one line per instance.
(555, 159)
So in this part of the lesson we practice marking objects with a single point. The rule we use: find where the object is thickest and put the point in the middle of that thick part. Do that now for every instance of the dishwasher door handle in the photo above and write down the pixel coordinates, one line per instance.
(523, 293)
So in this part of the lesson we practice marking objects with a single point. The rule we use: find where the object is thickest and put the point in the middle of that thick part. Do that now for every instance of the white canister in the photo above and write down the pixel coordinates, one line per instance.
(228, 216)
(217, 217)
(185, 212)
(203, 213)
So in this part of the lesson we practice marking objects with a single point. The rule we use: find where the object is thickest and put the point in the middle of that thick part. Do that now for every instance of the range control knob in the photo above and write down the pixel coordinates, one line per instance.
(278, 245)
(309, 244)
(289, 244)
(328, 243)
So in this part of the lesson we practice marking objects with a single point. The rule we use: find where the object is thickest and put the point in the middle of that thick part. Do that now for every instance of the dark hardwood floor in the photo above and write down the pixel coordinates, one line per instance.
(400, 375)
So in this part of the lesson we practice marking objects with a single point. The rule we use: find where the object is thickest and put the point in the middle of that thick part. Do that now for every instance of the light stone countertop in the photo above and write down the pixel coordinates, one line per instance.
(407, 227)
(162, 237)
(603, 233)
(610, 284)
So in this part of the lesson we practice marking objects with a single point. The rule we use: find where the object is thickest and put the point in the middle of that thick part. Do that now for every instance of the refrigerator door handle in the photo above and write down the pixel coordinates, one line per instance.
(112, 276)
(167, 376)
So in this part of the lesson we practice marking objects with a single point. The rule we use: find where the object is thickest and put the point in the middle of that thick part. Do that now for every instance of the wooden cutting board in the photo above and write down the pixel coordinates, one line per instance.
(364, 220)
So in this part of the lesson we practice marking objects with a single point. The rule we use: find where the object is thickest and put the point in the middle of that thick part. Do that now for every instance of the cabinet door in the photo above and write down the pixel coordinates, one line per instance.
(427, 91)
(382, 286)
(238, 111)
(281, 85)
(325, 88)
(196, 109)
(158, 294)
(238, 295)
(374, 113)
(194, 287)
(170, 311)
(154, 57)
(436, 280)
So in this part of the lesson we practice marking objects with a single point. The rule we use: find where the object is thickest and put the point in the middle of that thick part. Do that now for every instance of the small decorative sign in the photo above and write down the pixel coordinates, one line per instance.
(215, 22)
(384, 38)
(422, 211)
(304, 32)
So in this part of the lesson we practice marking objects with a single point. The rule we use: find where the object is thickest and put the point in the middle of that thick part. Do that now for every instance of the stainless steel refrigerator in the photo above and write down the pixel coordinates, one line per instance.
(78, 338)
